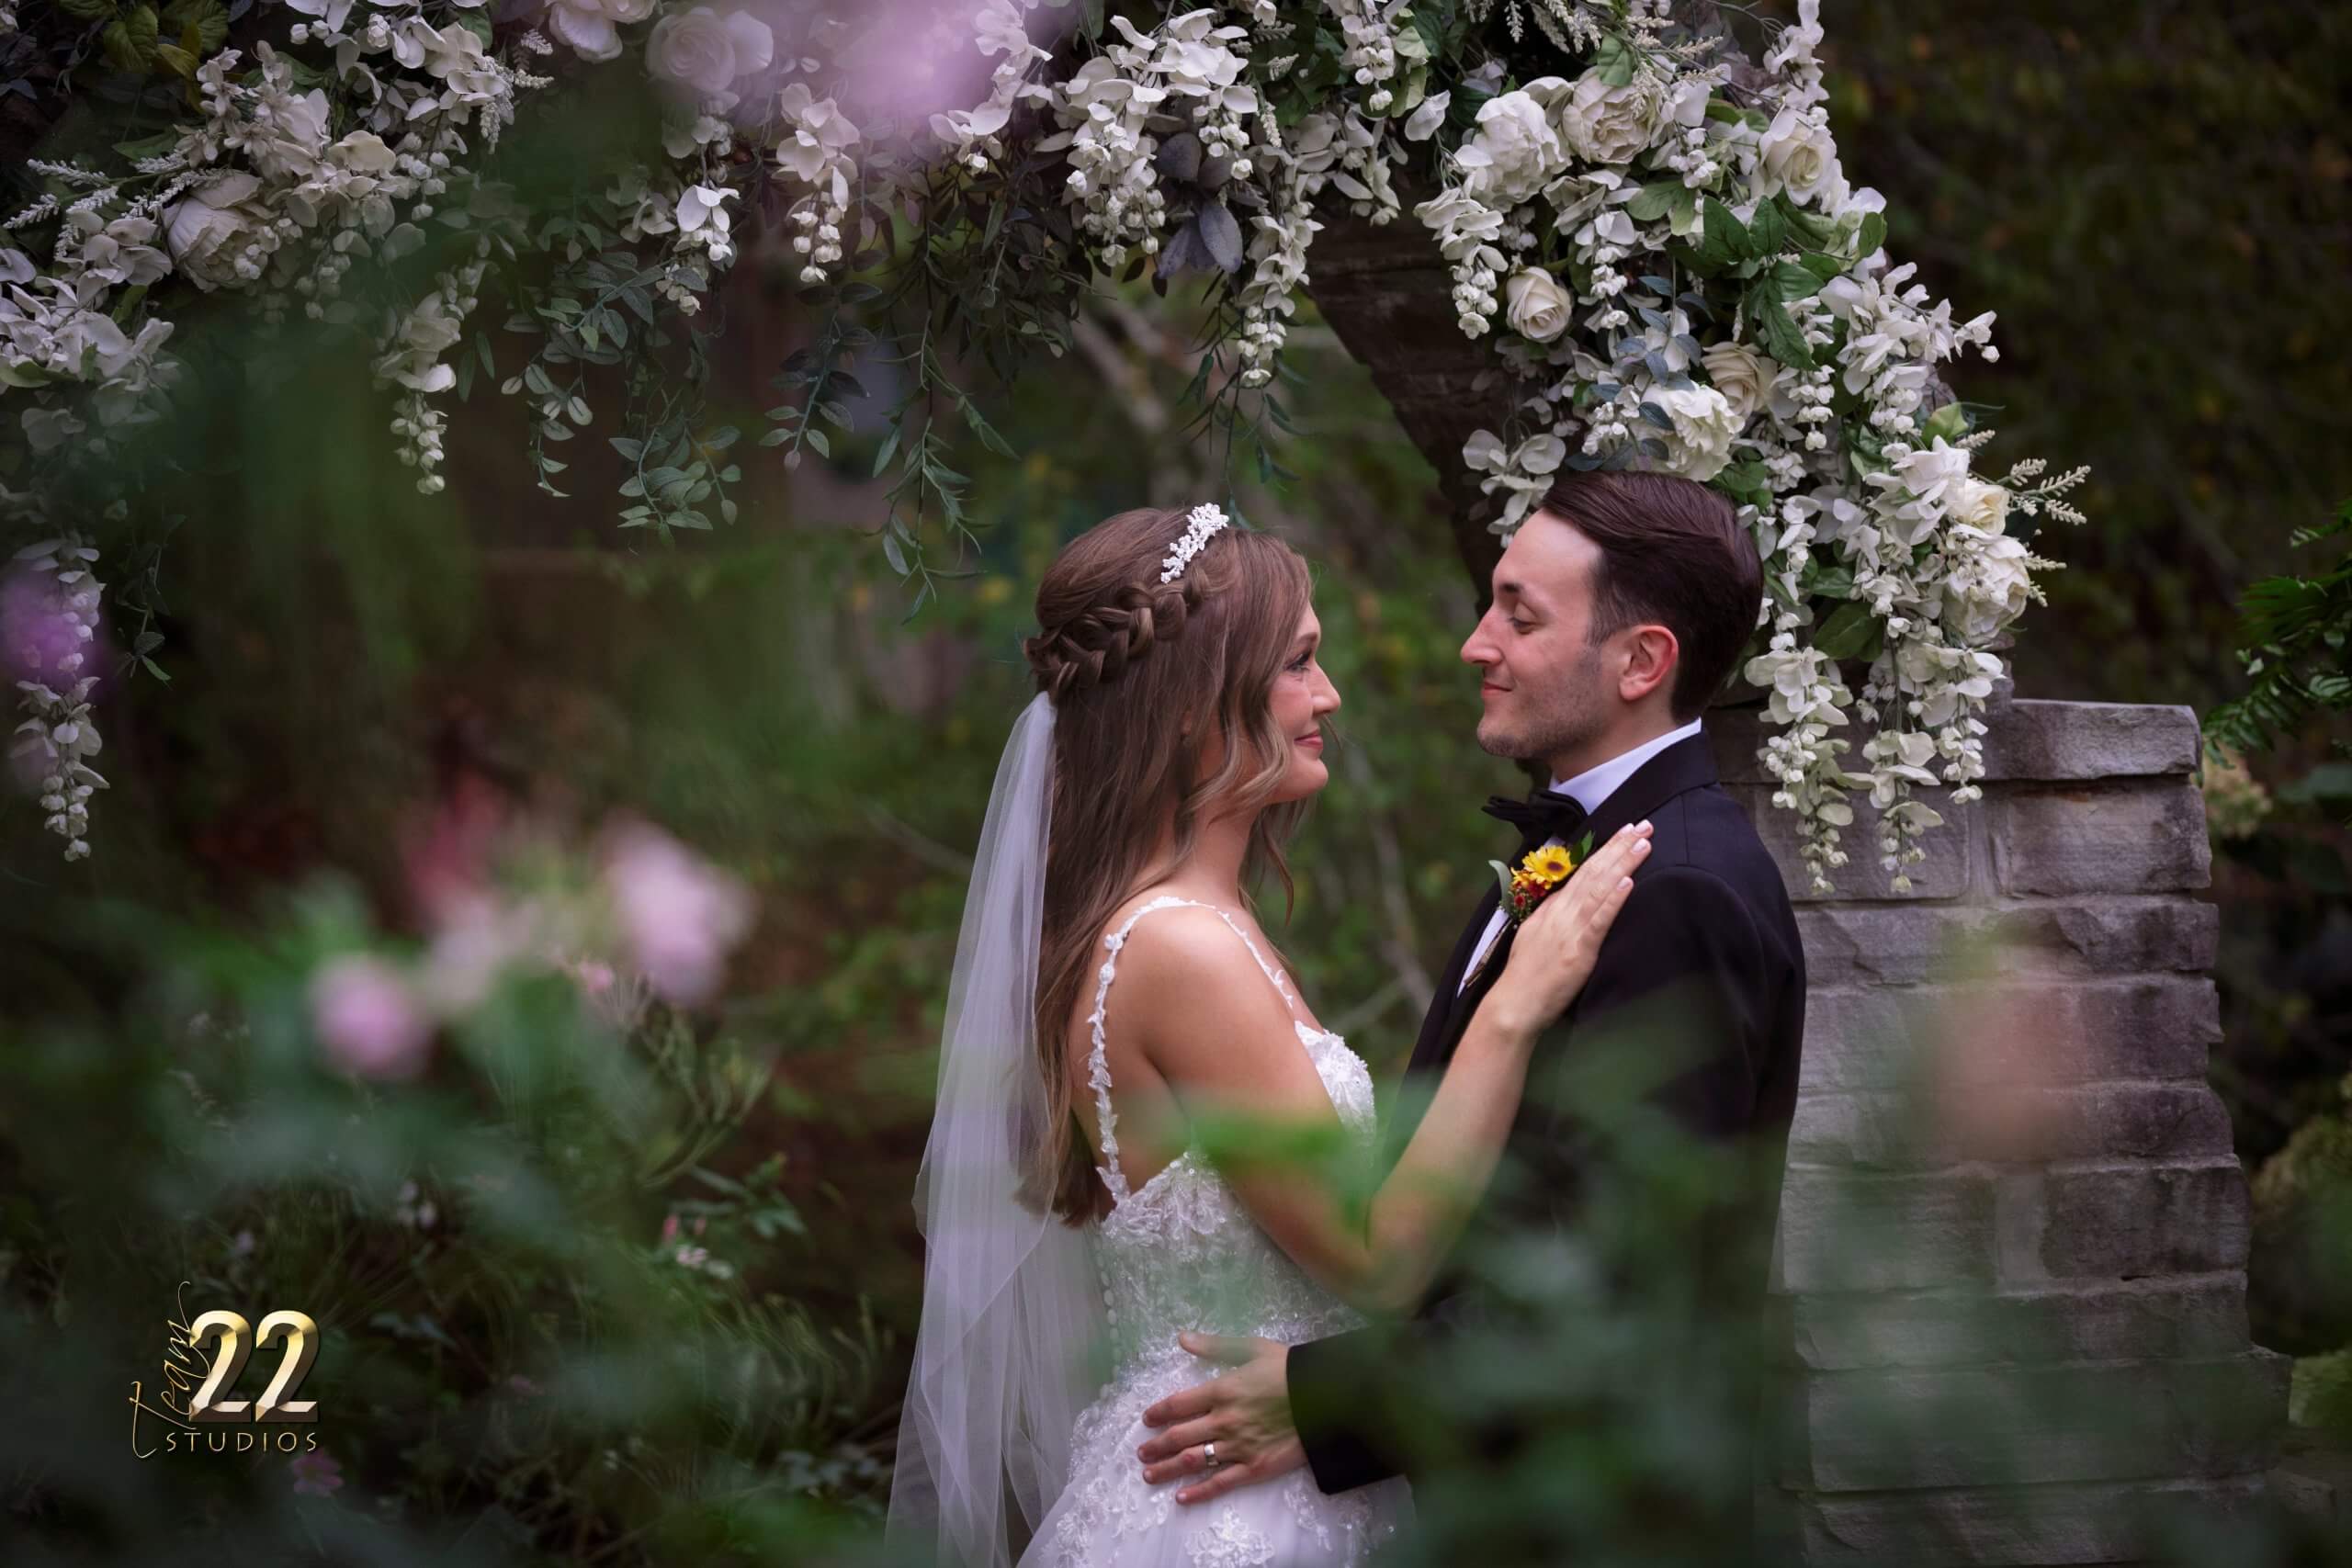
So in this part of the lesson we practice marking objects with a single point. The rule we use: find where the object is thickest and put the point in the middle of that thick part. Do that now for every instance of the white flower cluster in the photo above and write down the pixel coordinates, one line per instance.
(1278, 241)
(50, 619)
(970, 135)
(813, 145)
(1564, 207)
(1368, 29)
(412, 359)
(1190, 66)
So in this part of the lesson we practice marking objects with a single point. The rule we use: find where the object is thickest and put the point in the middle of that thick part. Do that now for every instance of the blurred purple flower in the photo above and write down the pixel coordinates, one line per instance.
(49, 628)
(367, 1020)
(901, 62)
(679, 915)
(317, 1474)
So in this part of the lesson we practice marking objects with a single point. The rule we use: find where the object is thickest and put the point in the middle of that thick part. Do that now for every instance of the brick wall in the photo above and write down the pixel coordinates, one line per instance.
(2011, 1279)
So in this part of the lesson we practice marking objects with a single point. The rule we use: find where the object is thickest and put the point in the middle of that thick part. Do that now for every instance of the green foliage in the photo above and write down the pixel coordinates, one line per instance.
(2298, 631)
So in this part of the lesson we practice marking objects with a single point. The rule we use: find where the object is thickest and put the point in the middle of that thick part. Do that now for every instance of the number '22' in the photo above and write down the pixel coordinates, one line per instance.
(237, 1340)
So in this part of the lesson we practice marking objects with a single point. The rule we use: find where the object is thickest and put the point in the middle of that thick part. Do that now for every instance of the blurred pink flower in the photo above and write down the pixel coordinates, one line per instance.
(367, 1020)
(317, 1474)
(669, 1230)
(521, 1385)
(679, 915)
(479, 935)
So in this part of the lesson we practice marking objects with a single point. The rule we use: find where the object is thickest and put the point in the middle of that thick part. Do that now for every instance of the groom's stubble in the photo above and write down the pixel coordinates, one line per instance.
(1561, 711)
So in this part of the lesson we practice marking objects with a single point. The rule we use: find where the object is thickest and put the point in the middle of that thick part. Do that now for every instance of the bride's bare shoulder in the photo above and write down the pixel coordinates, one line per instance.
(1192, 969)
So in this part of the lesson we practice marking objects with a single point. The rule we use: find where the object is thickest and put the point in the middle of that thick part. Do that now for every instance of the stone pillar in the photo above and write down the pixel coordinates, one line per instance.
(2010, 1277)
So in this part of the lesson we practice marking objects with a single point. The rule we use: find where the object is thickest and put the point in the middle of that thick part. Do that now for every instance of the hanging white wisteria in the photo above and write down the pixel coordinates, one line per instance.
(1656, 236)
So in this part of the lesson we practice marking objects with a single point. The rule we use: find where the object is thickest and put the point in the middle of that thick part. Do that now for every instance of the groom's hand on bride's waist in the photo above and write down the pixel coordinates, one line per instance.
(1233, 1432)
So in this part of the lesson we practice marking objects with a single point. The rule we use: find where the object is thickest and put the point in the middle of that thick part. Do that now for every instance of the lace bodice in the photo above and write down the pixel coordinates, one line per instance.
(1180, 1252)
(1177, 1253)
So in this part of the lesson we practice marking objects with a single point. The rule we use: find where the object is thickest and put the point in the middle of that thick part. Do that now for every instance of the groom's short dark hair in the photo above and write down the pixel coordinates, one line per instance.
(1671, 551)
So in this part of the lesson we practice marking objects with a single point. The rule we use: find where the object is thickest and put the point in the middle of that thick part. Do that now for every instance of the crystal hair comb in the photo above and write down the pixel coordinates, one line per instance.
(1201, 523)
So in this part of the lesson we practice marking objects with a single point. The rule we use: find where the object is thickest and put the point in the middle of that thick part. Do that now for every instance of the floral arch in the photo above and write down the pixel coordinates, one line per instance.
(1650, 230)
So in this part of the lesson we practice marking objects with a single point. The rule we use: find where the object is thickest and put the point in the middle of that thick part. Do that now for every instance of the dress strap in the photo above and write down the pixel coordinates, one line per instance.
(1098, 1060)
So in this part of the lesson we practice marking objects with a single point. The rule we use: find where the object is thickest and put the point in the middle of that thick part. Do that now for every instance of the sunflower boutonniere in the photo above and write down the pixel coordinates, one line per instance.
(1538, 873)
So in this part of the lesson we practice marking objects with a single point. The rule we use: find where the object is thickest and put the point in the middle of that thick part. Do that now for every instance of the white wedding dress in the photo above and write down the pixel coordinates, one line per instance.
(1180, 1253)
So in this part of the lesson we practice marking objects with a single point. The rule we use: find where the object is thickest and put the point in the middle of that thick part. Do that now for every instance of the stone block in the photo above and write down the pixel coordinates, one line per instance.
(2052, 1525)
(2007, 1034)
(1945, 873)
(2102, 934)
(2127, 1221)
(2188, 1318)
(1852, 1231)
(2031, 739)
(2033, 1424)
(2055, 841)
(2009, 1123)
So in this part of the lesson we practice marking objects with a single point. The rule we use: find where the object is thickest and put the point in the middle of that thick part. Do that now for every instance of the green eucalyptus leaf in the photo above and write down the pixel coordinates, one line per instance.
(1794, 282)
(1850, 632)
(1950, 421)
(1724, 239)
(1822, 264)
(1776, 330)
(131, 40)
(1613, 60)
(210, 19)
(1653, 202)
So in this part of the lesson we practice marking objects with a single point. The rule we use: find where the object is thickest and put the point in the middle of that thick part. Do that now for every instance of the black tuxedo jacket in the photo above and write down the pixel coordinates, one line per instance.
(1706, 933)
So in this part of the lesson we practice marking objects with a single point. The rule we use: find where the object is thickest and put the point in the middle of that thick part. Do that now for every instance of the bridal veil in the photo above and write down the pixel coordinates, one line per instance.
(1012, 1318)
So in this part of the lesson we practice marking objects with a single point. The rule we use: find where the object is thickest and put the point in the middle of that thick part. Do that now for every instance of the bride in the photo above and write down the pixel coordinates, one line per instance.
(1076, 1222)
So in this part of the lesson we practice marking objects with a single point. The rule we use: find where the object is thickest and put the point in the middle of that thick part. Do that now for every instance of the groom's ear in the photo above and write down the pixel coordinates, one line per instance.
(1652, 654)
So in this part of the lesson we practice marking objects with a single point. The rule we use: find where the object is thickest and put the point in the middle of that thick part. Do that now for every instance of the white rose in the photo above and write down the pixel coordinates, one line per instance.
(1514, 153)
(1742, 375)
(1699, 447)
(207, 229)
(590, 26)
(707, 49)
(1609, 124)
(1982, 506)
(1795, 154)
(1536, 305)
(1989, 587)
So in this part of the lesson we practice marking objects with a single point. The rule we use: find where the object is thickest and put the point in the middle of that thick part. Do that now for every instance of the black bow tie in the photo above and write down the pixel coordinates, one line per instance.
(1544, 815)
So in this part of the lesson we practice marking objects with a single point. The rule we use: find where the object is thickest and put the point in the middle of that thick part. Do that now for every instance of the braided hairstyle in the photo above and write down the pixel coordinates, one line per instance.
(1162, 708)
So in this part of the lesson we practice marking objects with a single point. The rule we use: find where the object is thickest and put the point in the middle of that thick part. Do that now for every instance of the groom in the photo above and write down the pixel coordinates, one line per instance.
(1619, 611)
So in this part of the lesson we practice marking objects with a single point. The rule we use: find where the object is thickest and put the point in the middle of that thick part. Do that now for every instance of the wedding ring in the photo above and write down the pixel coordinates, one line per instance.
(1208, 1455)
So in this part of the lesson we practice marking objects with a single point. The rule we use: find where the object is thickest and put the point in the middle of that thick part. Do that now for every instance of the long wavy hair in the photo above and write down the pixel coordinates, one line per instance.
(1148, 681)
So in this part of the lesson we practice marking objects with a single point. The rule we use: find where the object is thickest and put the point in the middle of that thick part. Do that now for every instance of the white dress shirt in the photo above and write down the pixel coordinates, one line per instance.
(1588, 789)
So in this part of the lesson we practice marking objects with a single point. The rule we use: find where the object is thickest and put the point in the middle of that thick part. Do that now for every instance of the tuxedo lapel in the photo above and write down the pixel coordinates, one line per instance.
(1437, 1033)
(1683, 766)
